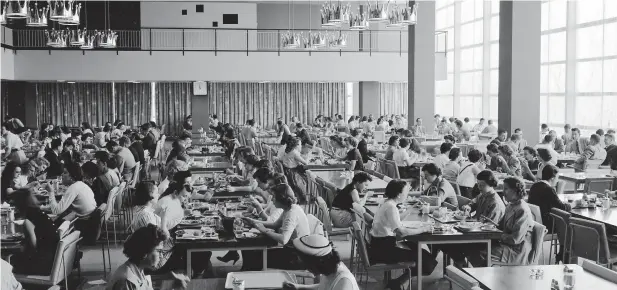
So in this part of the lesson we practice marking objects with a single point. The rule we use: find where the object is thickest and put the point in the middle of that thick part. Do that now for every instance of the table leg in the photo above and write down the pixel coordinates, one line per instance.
(489, 258)
(419, 266)
(265, 265)
(188, 263)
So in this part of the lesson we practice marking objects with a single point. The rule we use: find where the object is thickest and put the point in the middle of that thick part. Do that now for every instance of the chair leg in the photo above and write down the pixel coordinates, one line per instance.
(115, 234)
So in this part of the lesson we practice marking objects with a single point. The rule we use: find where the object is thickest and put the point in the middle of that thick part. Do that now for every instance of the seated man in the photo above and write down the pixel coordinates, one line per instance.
(593, 151)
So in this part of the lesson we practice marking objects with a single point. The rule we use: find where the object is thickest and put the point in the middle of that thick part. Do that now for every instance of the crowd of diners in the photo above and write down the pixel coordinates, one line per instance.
(159, 208)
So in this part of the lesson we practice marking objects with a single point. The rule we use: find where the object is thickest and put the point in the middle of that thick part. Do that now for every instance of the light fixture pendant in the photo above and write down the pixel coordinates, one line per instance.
(72, 17)
(89, 39)
(60, 9)
(17, 9)
(333, 14)
(57, 38)
(358, 21)
(378, 13)
(107, 39)
(290, 40)
(410, 15)
(338, 41)
(3, 12)
(37, 17)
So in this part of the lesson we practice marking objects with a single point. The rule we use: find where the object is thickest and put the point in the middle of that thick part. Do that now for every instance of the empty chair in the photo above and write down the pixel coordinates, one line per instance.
(560, 220)
(587, 239)
(460, 280)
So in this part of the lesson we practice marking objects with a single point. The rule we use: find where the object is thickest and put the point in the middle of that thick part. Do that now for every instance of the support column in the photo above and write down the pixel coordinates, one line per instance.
(519, 67)
(421, 59)
(200, 109)
(368, 95)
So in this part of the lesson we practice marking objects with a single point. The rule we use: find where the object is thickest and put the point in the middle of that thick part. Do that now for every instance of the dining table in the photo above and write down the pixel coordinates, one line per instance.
(452, 235)
(524, 277)
(200, 166)
(598, 176)
(335, 176)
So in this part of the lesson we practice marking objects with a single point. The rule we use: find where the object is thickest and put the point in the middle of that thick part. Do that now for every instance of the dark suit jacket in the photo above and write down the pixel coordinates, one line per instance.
(363, 148)
(611, 157)
(545, 196)
(56, 168)
(149, 143)
(138, 152)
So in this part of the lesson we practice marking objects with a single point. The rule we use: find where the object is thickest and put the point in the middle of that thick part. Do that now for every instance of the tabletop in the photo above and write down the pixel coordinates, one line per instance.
(608, 217)
(518, 277)
(211, 166)
(377, 185)
(583, 176)
(195, 284)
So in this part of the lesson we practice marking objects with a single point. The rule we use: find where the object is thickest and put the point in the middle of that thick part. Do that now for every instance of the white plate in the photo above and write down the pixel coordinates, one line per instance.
(260, 279)
(413, 224)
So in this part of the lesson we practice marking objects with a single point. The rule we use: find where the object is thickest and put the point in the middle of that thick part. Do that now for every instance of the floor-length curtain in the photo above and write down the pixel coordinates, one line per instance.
(265, 102)
(393, 98)
(71, 104)
(173, 104)
(133, 101)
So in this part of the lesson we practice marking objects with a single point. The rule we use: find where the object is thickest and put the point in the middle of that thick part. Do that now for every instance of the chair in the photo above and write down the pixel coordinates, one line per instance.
(459, 280)
(588, 240)
(537, 238)
(324, 217)
(62, 266)
(361, 247)
(111, 200)
(598, 270)
(535, 212)
(375, 173)
(560, 222)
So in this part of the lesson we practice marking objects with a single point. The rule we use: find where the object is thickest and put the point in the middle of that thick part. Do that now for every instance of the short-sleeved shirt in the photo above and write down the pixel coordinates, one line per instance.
(291, 159)
(294, 224)
(451, 170)
(442, 188)
(400, 157)
(354, 154)
(386, 220)
(172, 207)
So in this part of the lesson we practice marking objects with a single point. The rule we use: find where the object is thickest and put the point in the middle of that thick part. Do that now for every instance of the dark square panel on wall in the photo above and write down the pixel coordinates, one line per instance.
(199, 8)
(215, 24)
(184, 12)
(230, 18)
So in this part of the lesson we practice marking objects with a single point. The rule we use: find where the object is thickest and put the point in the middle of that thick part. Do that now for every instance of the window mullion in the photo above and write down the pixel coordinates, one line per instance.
(486, 60)
(571, 63)
(457, 59)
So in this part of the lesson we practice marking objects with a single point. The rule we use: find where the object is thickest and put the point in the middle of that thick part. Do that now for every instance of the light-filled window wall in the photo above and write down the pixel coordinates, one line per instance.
(470, 89)
(579, 63)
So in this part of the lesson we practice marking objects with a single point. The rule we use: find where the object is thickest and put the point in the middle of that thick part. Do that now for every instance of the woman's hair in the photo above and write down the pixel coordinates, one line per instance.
(336, 139)
(549, 172)
(284, 195)
(86, 125)
(454, 153)
(263, 163)
(325, 265)
(531, 151)
(144, 193)
(251, 159)
(361, 177)
(262, 174)
(488, 177)
(394, 188)
(351, 141)
(517, 185)
(544, 154)
(291, 144)
(65, 130)
(142, 242)
(404, 142)
(278, 178)
(493, 148)
(445, 147)
(24, 198)
(431, 169)
(450, 138)
(177, 182)
(8, 174)
(474, 155)
(506, 150)
(415, 145)
(308, 142)
(364, 119)
(351, 119)
(496, 142)
(90, 169)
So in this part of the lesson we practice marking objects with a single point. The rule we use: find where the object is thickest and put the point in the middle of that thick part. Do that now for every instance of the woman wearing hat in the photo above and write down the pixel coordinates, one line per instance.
(317, 255)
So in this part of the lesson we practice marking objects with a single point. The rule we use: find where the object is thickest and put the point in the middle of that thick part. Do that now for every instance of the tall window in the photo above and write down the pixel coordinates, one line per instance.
(470, 89)
(349, 105)
(579, 63)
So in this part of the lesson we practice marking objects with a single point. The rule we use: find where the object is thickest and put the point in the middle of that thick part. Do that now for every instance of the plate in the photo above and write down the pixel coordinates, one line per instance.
(413, 224)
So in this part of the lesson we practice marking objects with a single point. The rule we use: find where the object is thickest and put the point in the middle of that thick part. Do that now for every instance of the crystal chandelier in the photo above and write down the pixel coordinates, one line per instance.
(57, 38)
(3, 12)
(338, 41)
(358, 21)
(37, 17)
(334, 14)
(290, 40)
(73, 16)
(377, 12)
(314, 40)
(107, 39)
(89, 38)
(65, 12)
(401, 17)
(17, 9)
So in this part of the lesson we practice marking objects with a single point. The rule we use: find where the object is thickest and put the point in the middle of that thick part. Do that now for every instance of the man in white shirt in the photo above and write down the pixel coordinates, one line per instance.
(442, 159)
(11, 140)
(466, 125)
(479, 127)
(548, 144)
(490, 129)
(437, 122)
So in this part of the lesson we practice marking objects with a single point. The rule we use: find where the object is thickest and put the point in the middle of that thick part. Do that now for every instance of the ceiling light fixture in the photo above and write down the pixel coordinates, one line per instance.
(17, 10)
(37, 17)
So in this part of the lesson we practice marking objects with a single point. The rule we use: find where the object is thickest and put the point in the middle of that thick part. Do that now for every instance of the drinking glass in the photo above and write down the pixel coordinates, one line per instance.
(238, 226)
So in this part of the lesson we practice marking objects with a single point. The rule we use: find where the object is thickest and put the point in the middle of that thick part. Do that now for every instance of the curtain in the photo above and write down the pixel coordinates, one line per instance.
(70, 104)
(393, 98)
(173, 104)
(235, 103)
(133, 102)
(4, 99)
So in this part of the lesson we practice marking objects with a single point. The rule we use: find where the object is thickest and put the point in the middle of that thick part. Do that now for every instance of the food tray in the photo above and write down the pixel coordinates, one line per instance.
(260, 279)
(448, 219)
(197, 234)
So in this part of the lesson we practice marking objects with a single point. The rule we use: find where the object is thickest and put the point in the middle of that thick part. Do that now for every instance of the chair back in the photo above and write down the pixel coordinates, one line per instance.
(117, 204)
(135, 178)
(535, 212)
(111, 200)
(267, 152)
(64, 229)
(64, 258)
(381, 166)
(316, 225)
(460, 280)
(392, 170)
(588, 240)
(157, 149)
(324, 214)
(360, 244)
(561, 219)
(329, 192)
(537, 237)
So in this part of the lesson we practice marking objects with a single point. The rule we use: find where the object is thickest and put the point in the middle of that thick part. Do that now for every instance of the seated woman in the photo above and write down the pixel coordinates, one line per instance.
(543, 194)
(143, 249)
(341, 212)
(438, 186)
(393, 143)
(171, 211)
(40, 236)
(529, 163)
(388, 228)
(78, 199)
(292, 224)
(292, 162)
(513, 165)
(246, 182)
(39, 164)
(311, 151)
(353, 155)
(404, 161)
(466, 178)
(12, 180)
(317, 254)
(452, 168)
(496, 162)
(338, 146)
(517, 224)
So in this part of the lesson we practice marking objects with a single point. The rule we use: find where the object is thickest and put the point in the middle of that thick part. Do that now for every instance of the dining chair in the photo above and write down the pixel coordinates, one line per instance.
(365, 264)
(459, 280)
(598, 270)
(62, 267)
(375, 173)
(325, 219)
(537, 238)
(560, 221)
(111, 200)
(588, 240)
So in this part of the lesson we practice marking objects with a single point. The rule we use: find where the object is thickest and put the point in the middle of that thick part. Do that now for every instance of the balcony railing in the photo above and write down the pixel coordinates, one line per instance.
(230, 40)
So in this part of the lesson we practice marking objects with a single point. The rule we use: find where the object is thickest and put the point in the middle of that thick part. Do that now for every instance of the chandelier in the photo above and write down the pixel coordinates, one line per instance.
(16, 9)
(37, 17)
(377, 12)
(65, 12)
(57, 38)
(334, 14)
(338, 41)
(358, 21)
(107, 39)
(400, 17)
(314, 40)
(291, 39)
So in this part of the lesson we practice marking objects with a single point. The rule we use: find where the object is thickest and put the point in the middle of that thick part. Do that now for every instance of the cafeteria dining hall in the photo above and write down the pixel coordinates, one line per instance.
(308, 144)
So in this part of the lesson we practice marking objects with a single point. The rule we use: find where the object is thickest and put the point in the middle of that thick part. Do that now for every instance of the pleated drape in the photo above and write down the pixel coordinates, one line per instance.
(265, 102)
(70, 104)
(393, 98)
(133, 103)
(173, 104)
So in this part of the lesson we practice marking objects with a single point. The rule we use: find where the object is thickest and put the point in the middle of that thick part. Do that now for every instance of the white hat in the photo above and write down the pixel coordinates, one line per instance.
(314, 245)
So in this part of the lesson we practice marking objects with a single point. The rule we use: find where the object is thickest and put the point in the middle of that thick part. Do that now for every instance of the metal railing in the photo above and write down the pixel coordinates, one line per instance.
(233, 40)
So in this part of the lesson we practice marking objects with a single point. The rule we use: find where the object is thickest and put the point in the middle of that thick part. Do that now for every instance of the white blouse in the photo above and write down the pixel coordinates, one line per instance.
(172, 207)
(386, 220)
(294, 224)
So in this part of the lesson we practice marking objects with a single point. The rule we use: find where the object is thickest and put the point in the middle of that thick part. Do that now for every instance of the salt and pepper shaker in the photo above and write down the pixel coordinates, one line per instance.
(568, 277)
